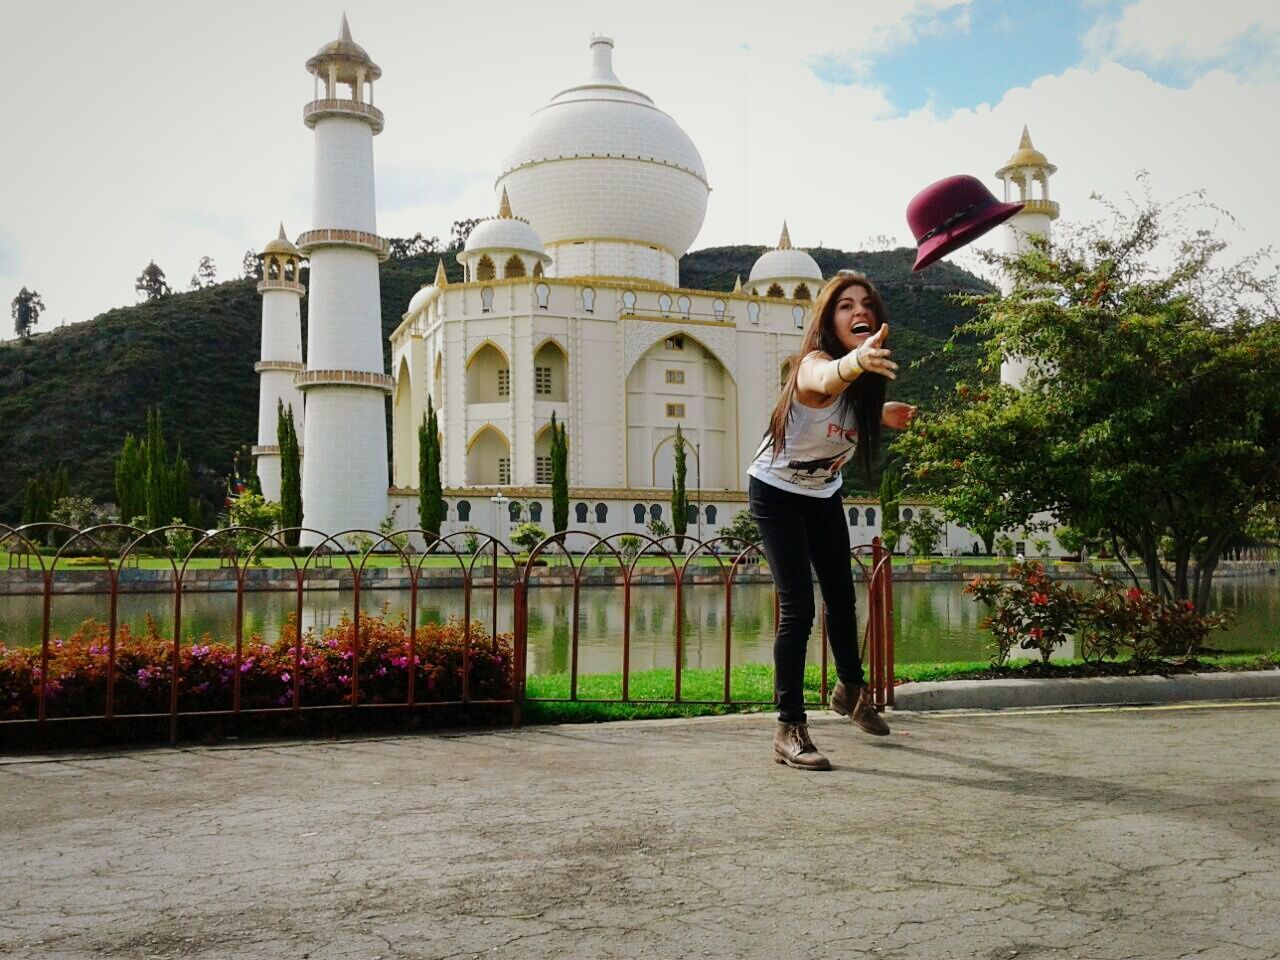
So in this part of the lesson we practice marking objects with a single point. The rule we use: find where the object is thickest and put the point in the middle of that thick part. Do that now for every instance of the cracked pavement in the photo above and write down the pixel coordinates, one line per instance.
(1102, 834)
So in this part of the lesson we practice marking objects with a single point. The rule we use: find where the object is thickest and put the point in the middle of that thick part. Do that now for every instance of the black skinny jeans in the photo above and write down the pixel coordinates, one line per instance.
(798, 532)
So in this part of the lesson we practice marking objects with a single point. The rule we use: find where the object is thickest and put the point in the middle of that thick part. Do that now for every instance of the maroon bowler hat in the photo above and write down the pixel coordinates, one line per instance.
(946, 215)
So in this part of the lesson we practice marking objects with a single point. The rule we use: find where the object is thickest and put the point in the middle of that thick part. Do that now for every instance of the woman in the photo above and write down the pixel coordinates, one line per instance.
(832, 402)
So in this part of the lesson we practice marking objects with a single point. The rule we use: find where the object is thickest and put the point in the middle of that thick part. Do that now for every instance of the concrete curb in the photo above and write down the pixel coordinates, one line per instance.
(1002, 694)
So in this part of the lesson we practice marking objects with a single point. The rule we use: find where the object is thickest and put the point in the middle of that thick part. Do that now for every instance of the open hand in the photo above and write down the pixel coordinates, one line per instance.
(873, 356)
(897, 416)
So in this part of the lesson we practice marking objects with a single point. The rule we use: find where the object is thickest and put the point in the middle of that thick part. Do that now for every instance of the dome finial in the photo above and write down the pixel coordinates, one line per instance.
(504, 206)
(282, 236)
(344, 31)
(441, 280)
(602, 60)
(784, 241)
(737, 284)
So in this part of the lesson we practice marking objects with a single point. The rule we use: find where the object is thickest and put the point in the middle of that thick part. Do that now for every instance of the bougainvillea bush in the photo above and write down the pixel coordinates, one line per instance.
(321, 666)
(1031, 611)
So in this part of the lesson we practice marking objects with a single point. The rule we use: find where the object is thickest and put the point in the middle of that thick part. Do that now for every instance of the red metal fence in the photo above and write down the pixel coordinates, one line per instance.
(394, 681)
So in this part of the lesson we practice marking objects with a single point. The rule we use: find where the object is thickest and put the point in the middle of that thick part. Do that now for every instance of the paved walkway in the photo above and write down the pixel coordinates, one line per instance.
(1102, 834)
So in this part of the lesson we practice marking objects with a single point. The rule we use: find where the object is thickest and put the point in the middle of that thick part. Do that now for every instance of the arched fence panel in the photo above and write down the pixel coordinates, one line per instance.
(371, 660)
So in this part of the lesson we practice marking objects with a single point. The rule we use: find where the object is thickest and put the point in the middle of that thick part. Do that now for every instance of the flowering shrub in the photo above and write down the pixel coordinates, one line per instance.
(1031, 611)
(1145, 626)
(267, 672)
(1035, 613)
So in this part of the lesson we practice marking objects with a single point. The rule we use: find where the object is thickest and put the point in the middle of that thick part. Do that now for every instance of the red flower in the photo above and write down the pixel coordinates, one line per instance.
(1037, 633)
(1039, 600)
(1134, 595)
(1188, 604)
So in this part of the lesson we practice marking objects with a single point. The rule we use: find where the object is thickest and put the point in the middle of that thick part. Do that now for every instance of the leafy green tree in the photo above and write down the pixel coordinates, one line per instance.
(743, 527)
(459, 232)
(167, 482)
(131, 479)
(44, 490)
(528, 536)
(290, 473)
(251, 265)
(151, 284)
(206, 272)
(559, 476)
(1151, 410)
(78, 512)
(26, 309)
(679, 498)
(890, 519)
(430, 490)
(925, 532)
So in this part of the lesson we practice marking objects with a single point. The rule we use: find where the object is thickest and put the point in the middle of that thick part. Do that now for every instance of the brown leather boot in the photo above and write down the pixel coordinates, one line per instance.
(792, 746)
(858, 708)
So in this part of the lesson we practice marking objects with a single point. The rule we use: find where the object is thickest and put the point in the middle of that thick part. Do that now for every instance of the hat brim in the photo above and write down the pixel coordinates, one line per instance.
(938, 246)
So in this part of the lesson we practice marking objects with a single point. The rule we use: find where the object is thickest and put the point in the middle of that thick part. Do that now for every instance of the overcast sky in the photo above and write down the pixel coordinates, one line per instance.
(171, 130)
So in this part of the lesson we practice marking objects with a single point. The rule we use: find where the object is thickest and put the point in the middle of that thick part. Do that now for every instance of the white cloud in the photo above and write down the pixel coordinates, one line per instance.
(153, 132)
(1242, 35)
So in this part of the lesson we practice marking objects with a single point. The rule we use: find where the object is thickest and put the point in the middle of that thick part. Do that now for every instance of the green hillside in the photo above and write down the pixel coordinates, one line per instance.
(69, 396)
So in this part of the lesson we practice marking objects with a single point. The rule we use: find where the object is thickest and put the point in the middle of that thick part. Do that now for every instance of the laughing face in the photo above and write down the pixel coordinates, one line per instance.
(854, 320)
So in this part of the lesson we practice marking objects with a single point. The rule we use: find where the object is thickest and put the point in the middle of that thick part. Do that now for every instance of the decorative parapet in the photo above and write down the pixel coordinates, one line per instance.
(291, 285)
(343, 378)
(1048, 207)
(317, 110)
(334, 237)
(269, 450)
(292, 366)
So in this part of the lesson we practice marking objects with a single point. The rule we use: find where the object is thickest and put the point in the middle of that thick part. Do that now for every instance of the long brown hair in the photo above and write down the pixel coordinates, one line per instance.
(865, 395)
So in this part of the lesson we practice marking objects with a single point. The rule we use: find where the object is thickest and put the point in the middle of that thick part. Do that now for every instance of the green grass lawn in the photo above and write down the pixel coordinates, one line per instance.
(548, 693)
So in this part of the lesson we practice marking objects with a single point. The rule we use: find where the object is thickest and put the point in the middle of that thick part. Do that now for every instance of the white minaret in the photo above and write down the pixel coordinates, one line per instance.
(1025, 169)
(344, 485)
(281, 354)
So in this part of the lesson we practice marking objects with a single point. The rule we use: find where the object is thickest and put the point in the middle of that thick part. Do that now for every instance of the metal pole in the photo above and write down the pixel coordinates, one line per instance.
(697, 453)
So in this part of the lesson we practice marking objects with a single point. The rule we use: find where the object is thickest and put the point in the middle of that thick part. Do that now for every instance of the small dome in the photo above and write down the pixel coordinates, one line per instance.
(421, 297)
(347, 52)
(784, 263)
(1027, 156)
(282, 245)
(505, 232)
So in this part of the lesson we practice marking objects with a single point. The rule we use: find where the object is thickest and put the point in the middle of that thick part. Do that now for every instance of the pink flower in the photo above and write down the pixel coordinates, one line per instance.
(344, 679)
(285, 677)
(1039, 600)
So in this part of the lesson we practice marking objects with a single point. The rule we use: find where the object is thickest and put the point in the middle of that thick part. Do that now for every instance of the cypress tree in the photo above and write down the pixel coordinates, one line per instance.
(890, 488)
(131, 479)
(679, 499)
(559, 476)
(430, 489)
(290, 473)
(38, 503)
(156, 470)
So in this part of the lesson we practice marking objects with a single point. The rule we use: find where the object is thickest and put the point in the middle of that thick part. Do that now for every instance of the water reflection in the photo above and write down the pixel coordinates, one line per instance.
(932, 621)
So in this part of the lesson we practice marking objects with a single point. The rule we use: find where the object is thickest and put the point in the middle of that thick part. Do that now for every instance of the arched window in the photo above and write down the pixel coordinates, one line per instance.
(535, 512)
(485, 269)
(543, 293)
(537, 269)
(655, 511)
(797, 314)
(711, 514)
(871, 517)
(602, 512)
(514, 267)
(718, 307)
(774, 291)
(638, 512)
(664, 304)
(629, 301)
(588, 300)
(513, 510)
(464, 511)
(853, 516)
(486, 300)
(580, 512)
(907, 514)
(691, 514)
(802, 292)
(685, 305)
(753, 312)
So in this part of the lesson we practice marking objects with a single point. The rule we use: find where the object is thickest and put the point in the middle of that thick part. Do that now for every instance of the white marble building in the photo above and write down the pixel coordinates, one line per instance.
(571, 304)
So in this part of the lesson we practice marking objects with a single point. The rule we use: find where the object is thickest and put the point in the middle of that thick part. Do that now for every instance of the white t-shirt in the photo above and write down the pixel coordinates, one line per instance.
(818, 444)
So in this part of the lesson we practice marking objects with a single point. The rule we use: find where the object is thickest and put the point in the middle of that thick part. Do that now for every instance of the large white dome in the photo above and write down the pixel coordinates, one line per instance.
(600, 161)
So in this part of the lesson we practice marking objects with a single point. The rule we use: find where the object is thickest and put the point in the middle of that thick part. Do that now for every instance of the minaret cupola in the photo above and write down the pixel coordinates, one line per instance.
(1026, 170)
(339, 63)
